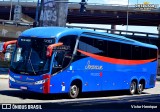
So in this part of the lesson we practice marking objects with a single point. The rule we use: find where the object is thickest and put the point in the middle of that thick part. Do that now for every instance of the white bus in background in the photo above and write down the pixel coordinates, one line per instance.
(9, 51)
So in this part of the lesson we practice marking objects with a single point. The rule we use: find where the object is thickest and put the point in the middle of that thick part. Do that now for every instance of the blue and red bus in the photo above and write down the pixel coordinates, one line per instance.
(64, 60)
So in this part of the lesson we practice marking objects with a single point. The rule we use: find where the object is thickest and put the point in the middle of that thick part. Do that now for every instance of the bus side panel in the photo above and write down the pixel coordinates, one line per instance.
(148, 72)
(60, 82)
(88, 82)
(97, 76)
(112, 76)
(151, 74)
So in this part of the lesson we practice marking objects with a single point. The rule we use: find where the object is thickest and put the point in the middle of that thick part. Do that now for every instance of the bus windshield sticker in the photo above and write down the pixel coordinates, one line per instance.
(49, 41)
(26, 40)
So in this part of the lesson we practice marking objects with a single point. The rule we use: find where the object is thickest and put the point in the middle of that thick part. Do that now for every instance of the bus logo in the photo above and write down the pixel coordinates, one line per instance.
(93, 67)
(29, 79)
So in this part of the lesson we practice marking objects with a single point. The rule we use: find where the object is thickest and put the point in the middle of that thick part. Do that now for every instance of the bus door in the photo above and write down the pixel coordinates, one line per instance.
(63, 54)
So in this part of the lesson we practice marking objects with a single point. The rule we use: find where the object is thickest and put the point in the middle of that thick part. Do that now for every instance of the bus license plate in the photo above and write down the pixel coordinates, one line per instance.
(24, 88)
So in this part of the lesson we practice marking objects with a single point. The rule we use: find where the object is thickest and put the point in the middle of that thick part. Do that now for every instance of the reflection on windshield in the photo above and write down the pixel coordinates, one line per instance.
(30, 56)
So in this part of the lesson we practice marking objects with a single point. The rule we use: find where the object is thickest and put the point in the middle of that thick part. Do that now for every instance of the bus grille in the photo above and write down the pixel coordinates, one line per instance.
(27, 83)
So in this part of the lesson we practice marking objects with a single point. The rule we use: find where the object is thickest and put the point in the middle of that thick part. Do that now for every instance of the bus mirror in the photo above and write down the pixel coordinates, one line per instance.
(51, 47)
(8, 43)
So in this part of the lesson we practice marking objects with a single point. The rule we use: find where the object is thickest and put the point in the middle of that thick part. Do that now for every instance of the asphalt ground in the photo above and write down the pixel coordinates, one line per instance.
(3, 73)
(108, 101)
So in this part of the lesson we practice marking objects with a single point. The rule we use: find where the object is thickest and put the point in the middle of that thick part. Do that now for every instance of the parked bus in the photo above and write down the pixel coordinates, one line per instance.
(64, 60)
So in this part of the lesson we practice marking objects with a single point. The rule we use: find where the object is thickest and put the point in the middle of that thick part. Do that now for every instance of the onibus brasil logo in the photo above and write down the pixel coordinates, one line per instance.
(146, 6)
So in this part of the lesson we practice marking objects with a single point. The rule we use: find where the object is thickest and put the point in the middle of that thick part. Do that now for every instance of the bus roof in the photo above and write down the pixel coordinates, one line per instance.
(51, 32)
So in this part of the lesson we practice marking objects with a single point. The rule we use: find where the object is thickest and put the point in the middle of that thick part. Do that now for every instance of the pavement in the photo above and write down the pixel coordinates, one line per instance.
(4, 74)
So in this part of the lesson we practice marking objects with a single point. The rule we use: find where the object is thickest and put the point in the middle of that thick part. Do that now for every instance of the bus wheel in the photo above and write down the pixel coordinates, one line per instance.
(132, 89)
(74, 91)
(140, 88)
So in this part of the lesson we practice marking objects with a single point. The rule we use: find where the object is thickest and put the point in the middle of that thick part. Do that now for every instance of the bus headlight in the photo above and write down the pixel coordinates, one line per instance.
(41, 81)
(11, 79)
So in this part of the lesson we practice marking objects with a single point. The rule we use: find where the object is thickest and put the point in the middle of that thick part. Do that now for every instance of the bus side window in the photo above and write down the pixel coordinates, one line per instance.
(88, 45)
(85, 44)
(152, 53)
(124, 48)
(101, 47)
(114, 49)
(99, 44)
(69, 41)
(136, 52)
(81, 46)
(145, 53)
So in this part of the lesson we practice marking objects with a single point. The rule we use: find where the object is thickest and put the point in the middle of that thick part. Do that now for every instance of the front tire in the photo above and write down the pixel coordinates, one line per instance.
(74, 91)
(133, 87)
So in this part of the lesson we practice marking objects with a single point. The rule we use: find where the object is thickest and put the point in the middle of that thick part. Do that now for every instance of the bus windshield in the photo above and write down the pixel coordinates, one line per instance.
(30, 56)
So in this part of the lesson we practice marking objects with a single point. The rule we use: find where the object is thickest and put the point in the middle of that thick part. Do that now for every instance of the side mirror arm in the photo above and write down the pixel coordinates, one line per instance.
(8, 43)
(51, 47)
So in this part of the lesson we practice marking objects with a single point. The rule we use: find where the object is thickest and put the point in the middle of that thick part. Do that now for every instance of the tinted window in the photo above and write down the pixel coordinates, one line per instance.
(136, 52)
(63, 54)
(101, 46)
(126, 51)
(145, 53)
(114, 49)
(87, 44)
(152, 53)
(69, 41)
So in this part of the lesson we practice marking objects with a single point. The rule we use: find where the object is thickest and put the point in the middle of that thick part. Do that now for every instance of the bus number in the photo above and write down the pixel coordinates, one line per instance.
(47, 41)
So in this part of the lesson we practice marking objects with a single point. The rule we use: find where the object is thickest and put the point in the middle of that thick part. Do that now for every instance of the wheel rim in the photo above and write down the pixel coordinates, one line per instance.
(74, 90)
(140, 88)
(133, 87)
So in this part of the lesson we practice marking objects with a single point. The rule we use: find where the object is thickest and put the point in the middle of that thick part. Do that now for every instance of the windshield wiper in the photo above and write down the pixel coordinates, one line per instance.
(29, 59)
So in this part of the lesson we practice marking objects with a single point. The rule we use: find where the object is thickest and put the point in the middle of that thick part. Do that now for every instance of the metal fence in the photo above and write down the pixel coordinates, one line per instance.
(20, 26)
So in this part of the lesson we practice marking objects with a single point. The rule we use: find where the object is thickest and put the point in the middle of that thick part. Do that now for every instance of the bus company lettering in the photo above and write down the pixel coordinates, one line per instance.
(93, 67)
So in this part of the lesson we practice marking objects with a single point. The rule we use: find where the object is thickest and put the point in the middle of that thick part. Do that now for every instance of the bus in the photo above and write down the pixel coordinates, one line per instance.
(69, 60)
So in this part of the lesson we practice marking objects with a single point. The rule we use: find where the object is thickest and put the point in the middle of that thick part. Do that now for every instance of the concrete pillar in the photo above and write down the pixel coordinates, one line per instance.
(53, 13)
(17, 13)
(113, 27)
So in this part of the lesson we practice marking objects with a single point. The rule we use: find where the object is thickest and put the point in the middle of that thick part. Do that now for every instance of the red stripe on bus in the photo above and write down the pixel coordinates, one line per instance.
(46, 85)
(116, 61)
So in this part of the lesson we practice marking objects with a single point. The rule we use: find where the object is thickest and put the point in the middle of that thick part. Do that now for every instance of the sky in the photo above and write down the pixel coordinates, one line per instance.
(123, 2)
